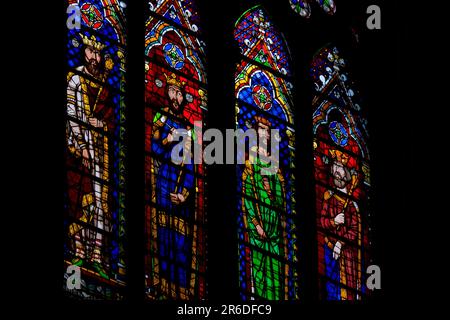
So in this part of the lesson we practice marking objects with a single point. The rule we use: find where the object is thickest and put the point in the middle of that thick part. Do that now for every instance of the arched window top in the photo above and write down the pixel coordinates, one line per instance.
(171, 43)
(260, 41)
(106, 18)
(326, 65)
(334, 85)
(183, 12)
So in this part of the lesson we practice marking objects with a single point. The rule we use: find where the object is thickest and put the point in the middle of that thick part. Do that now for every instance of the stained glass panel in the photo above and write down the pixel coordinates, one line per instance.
(328, 6)
(266, 205)
(302, 7)
(175, 99)
(342, 173)
(94, 221)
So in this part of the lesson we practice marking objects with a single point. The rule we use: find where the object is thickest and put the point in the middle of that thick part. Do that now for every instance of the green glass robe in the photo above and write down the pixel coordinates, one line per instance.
(268, 212)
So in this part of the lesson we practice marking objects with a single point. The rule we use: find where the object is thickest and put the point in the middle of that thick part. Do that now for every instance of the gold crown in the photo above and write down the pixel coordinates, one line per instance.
(339, 156)
(173, 81)
(92, 42)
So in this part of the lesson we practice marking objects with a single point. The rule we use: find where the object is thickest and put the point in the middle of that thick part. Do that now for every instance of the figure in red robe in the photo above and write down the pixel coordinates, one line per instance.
(342, 223)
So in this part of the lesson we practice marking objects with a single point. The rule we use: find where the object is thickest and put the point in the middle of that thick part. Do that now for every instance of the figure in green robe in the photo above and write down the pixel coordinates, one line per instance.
(264, 209)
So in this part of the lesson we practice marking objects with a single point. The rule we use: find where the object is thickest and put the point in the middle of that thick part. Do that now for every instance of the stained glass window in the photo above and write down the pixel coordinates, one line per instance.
(266, 206)
(328, 6)
(94, 222)
(175, 99)
(342, 174)
(303, 7)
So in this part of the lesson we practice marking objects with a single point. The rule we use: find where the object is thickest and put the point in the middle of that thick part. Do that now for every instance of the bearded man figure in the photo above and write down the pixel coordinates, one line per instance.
(90, 119)
(341, 220)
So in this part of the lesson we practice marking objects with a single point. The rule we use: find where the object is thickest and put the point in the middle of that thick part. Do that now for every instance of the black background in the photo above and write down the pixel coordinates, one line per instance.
(379, 66)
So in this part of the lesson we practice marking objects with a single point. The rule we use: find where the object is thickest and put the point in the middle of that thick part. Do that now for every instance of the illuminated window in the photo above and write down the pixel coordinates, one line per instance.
(94, 221)
(303, 7)
(342, 174)
(175, 99)
(266, 206)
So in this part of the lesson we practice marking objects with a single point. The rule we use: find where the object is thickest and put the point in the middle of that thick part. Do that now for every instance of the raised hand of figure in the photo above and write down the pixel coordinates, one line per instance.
(339, 219)
(170, 135)
(96, 123)
(261, 232)
(337, 250)
(85, 161)
(177, 198)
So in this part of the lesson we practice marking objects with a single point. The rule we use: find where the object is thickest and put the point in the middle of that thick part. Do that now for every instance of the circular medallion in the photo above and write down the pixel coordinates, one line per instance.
(91, 16)
(174, 56)
(338, 133)
(261, 96)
